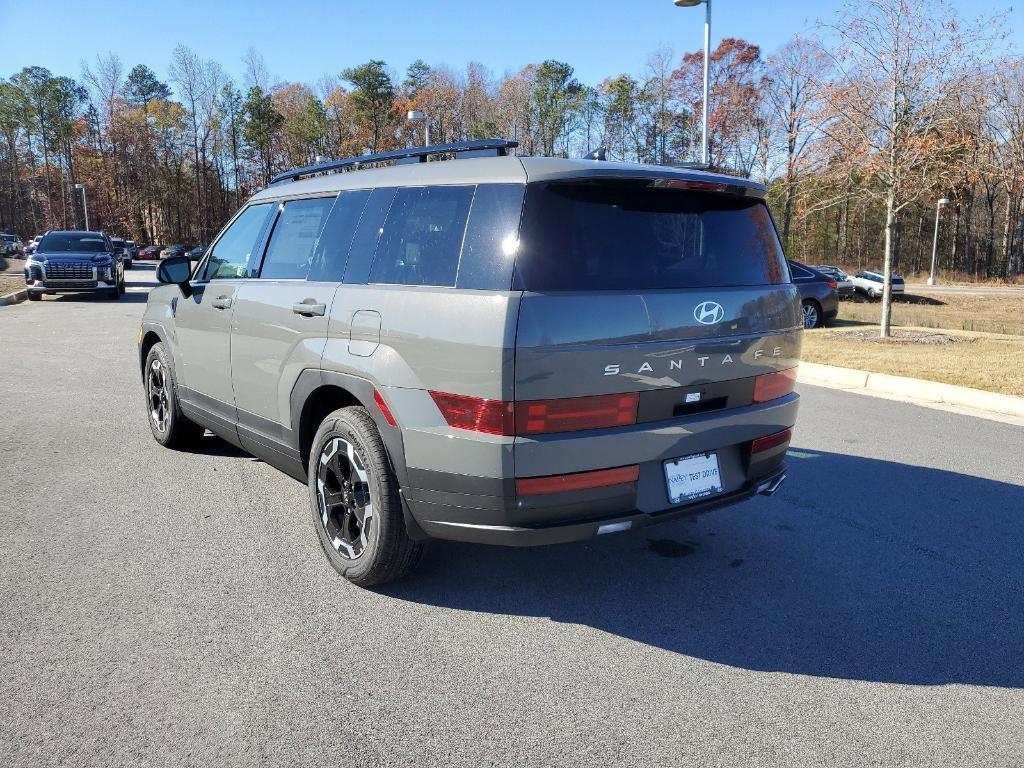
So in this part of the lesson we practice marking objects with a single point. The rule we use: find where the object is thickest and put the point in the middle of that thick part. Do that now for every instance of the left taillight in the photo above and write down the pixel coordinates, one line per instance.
(536, 417)
(833, 284)
(771, 386)
(495, 417)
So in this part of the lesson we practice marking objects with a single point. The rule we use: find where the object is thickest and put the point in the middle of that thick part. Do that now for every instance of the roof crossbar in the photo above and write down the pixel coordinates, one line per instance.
(478, 147)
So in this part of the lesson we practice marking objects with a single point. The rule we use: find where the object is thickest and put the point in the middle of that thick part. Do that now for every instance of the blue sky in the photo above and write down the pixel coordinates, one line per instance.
(302, 40)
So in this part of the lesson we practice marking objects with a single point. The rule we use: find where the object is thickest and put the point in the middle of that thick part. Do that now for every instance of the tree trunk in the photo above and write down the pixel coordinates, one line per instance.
(890, 222)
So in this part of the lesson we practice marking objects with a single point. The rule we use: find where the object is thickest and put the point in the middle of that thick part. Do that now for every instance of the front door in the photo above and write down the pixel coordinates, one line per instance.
(203, 320)
(279, 327)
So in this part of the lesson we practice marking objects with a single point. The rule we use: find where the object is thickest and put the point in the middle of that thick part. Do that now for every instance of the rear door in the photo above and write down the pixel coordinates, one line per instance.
(202, 321)
(636, 287)
(279, 327)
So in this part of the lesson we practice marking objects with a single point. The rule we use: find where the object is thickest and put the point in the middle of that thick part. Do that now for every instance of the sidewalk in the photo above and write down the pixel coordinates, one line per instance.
(995, 405)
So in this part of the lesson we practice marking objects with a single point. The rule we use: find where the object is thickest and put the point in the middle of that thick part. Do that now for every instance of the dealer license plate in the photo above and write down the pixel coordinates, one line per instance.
(693, 477)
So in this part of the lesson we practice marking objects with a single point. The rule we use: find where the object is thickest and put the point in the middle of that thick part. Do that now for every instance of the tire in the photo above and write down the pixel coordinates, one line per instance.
(174, 430)
(121, 287)
(128, 264)
(812, 314)
(33, 296)
(348, 461)
(112, 294)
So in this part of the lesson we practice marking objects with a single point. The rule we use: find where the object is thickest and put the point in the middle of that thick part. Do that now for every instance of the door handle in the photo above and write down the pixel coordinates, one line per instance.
(309, 309)
(222, 302)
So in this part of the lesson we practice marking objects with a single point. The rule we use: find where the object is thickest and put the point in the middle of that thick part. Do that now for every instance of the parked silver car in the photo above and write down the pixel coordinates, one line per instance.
(491, 349)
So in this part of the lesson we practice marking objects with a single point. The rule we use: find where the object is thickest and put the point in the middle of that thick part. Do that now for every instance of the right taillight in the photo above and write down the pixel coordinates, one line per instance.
(771, 386)
(766, 443)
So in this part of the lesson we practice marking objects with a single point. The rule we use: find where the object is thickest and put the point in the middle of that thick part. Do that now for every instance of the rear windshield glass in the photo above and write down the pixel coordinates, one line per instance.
(615, 236)
(67, 243)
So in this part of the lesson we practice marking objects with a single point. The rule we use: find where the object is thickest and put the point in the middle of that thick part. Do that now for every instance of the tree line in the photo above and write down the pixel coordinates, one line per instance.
(857, 125)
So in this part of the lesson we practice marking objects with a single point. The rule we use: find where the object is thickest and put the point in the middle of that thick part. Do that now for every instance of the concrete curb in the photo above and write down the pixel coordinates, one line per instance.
(13, 298)
(918, 389)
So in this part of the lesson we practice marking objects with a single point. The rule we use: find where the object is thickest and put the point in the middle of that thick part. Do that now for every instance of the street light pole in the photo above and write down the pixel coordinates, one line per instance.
(935, 238)
(85, 203)
(707, 59)
(416, 115)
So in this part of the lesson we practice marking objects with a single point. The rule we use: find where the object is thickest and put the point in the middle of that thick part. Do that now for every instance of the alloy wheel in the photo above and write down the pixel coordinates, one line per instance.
(343, 498)
(158, 396)
(810, 316)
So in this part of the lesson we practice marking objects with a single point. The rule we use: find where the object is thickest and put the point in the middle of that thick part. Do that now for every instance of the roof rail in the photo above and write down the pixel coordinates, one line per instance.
(478, 147)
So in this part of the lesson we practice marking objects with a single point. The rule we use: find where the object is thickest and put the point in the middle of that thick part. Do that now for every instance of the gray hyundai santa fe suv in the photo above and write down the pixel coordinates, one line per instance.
(496, 349)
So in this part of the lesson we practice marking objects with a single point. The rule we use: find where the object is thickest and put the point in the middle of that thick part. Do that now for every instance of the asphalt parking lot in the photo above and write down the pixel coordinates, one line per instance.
(163, 608)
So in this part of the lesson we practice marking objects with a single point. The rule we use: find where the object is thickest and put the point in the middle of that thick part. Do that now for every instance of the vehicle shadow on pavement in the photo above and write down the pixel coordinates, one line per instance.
(919, 580)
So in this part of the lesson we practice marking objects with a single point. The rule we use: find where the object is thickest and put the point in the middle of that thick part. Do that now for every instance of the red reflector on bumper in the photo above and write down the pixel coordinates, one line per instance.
(766, 443)
(771, 386)
(527, 486)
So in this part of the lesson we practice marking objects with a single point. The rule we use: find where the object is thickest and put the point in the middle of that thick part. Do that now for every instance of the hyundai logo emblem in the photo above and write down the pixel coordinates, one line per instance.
(708, 313)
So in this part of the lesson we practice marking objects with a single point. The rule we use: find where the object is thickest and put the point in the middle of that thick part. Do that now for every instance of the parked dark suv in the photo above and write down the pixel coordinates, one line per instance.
(74, 262)
(494, 349)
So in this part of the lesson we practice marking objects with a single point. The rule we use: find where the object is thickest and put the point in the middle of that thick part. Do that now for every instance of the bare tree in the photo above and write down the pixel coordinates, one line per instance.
(792, 94)
(897, 60)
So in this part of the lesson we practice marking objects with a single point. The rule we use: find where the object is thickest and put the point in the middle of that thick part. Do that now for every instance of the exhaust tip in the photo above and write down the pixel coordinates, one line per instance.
(615, 527)
(769, 488)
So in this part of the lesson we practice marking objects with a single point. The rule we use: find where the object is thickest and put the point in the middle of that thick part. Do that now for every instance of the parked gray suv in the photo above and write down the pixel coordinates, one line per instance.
(490, 349)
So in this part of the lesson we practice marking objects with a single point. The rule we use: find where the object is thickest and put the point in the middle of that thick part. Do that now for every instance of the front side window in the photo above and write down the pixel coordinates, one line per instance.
(233, 254)
(422, 236)
(291, 245)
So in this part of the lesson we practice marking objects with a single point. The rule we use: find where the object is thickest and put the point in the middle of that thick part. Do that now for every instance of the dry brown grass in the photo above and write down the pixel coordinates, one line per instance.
(11, 283)
(982, 361)
(1002, 314)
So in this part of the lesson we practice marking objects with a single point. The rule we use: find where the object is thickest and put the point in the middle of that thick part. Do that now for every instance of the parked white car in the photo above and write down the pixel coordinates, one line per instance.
(871, 283)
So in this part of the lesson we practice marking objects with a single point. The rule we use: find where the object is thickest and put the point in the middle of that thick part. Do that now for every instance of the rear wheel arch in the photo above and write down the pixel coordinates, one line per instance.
(315, 407)
(318, 393)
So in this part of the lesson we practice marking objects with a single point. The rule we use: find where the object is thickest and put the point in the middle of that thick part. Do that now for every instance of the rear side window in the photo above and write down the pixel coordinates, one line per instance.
(630, 236)
(290, 250)
(368, 232)
(800, 272)
(232, 254)
(422, 236)
(492, 237)
(331, 252)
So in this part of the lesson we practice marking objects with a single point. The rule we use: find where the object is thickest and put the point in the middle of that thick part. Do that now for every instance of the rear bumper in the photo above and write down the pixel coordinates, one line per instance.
(523, 536)
(488, 510)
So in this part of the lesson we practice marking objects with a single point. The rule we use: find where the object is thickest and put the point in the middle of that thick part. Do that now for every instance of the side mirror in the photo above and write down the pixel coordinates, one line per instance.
(175, 270)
